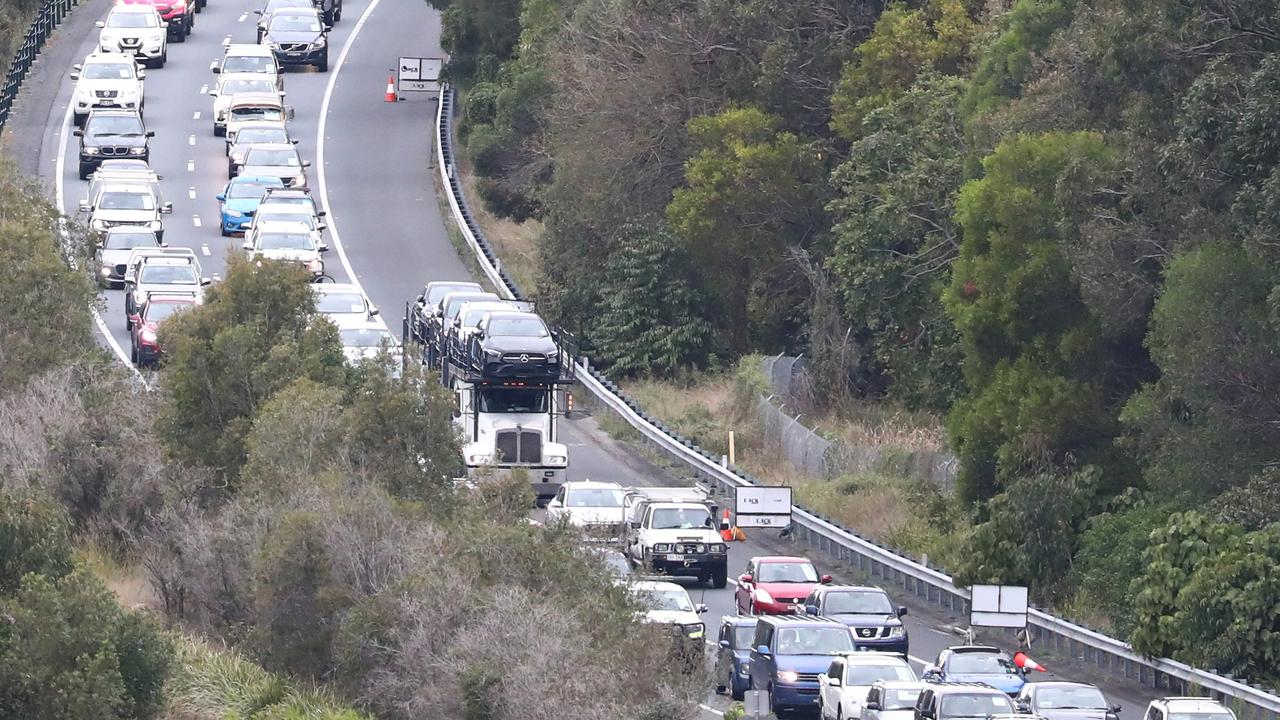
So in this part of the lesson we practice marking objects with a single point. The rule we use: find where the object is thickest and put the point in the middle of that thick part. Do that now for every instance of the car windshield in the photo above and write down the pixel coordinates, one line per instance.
(248, 64)
(128, 240)
(107, 71)
(518, 326)
(132, 20)
(285, 241)
(1201, 716)
(870, 674)
(272, 157)
(512, 400)
(295, 23)
(593, 497)
(256, 112)
(472, 316)
(814, 641)
(980, 663)
(974, 706)
(275, 5)
(897, 699)
(437, 292)
(126, 201)
(158, 311)
(362, 338)
(343, 303)
(1070, 698)
(680, 518)
(251, 189)
(741, 635)
(232, 86)
(786, 572)
(302, 201)
(119, 125)
(858, 602)
(262, 134)
(168, 275)
(667, 600)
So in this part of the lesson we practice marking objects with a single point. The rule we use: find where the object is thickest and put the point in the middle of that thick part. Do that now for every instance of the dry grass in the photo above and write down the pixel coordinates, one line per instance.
(515, 243)
(129, 583)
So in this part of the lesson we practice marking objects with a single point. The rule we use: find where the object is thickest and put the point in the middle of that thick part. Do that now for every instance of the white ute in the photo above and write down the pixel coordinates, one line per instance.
(843, 688)
(672, 531)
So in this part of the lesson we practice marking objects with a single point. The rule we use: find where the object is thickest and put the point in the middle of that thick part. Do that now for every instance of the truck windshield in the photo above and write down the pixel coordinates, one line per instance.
(680, 518)
(814, 640)
(513, 400)
(1073, 698)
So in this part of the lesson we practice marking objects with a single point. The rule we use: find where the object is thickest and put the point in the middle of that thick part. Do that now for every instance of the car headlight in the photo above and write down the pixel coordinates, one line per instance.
(99, 224)
(478, 459)
(233, 213)
(91, 151)
(744, 670)
(319, 42)
(788, 676)
(718, 547)
(105, 271)
(700, 548)
(315, 265)
(490, 353)
(763, 595)
(694, 630)
(662, 547)
(556, 460)
(137, 151)
(897, 632)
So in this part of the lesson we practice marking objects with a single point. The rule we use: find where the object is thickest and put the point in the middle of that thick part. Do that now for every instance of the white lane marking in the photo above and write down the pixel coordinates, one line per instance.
(60, 197)
(204, 250)
(204, 89)
(195, 220)
(191, 166)
(226, 41)
(191, 193)
(320, 137)
(711, 710)
(242, 17)
(195, 115)
(191, 139)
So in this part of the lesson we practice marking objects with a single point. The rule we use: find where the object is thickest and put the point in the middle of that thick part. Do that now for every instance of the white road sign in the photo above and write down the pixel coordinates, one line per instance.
(419, 74)
(762, 506)
(998, 606)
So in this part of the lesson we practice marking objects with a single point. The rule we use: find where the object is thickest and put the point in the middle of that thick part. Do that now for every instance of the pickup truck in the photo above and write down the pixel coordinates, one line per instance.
(672, 531)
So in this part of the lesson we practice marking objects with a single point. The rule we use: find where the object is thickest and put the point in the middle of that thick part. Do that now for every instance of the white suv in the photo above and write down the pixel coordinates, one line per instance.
(136, 30)
(106, 80)
(1188, 708)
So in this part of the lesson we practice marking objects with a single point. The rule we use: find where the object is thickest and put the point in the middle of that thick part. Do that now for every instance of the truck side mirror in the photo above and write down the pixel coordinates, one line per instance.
(724, 644)
(763, 650)
(701, 608)
(77, 132)
(902, 611)
(811, 609)
(634, 525)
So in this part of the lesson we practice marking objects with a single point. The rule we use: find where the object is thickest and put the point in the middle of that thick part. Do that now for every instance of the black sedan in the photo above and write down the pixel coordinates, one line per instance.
(298, 37)
(1065, 701)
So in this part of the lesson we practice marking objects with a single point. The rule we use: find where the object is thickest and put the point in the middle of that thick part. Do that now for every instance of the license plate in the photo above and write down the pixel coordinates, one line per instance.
(295, 54)
(675, 557)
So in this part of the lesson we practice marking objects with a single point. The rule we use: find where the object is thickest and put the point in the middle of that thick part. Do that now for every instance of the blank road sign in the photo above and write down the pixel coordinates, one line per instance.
(419, 74)
(998, 606)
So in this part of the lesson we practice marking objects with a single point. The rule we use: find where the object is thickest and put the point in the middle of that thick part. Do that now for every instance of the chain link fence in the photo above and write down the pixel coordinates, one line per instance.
(41, 28)
(828, 458)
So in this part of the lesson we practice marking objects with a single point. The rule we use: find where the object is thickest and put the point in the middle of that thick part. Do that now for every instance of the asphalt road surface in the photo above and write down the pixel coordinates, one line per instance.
(372, 170)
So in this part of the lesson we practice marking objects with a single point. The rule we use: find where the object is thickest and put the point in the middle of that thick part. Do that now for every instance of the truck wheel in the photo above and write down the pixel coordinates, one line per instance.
(720, 578)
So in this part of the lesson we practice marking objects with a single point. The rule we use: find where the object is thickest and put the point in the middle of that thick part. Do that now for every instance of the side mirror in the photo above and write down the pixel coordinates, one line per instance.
(206, 281)
(288, 112)
(826, 579)
(306, 163)
(811, 609)
(833, 681)
(762, 650)
(213, 67)
(745, 578)
(220, 197)
(322, 214)
(724, 644)
(214, 92)
(75, 76)
(247, 245)
(164, 24)
(164, 244)
(257, 12)
(373, 311)
(1115, 709)
(76, 67)
(282, 93)
(322, 226)
(902, 611)
(701, 608)
(78, 132)
(324, 248)
(85, 206)
(295, 142)
(142, 74)
(100, 24)
(1023, 705)
(871, 705)
(166, 209)
(634, 525)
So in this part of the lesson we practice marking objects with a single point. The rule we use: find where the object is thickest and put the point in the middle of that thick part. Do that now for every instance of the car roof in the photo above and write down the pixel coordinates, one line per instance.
(656, 585)
(975, 649)
(256, 76)
(1059, 684)
(119, 112)
(259, 124)
(131, 229)
(273, 146)
(108, 57)
(1193, 704)
(283, 226)
(335, 288)
(187, 298)
(593, 484)
(133, 8)
(948, 688)
(291, 192)
(296, 10)
(249, 179)
(902, 684)
(779, 559)
(815, 620)
(126, 186)
(864, 657)
(257, 98)
(743, 620)
(826, 589)
(248, 49)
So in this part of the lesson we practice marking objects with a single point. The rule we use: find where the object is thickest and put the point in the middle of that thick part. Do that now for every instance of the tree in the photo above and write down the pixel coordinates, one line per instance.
(35, 537)
(478, 34)
(896, 237)
(1036, 363)
(1005, 66)
(1110, 556)
(68, 652)
(652, 320)
(751, 192)
(256, 333)
(1207, 423)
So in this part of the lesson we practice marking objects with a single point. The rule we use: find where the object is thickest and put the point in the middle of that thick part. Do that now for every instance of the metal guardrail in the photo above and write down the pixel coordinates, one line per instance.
(41, 28)
(870, 557)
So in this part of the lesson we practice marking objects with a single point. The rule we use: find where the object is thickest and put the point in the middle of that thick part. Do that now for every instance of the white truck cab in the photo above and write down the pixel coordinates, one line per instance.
(673, 531)
(509, 426)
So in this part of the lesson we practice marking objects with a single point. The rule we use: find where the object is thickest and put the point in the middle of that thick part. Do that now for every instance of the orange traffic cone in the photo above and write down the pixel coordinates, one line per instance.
(391, 88)
(728, 531)
(1023, 661)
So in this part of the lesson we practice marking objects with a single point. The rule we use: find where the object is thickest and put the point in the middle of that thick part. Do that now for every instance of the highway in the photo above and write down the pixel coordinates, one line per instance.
(371, 169)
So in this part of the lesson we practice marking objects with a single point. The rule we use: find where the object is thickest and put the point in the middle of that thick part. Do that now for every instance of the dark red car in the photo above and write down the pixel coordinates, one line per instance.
(776, 585)
(145, 347)
(180, 14)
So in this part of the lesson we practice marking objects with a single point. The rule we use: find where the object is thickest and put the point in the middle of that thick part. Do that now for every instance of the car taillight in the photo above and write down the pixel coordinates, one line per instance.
(147, 336)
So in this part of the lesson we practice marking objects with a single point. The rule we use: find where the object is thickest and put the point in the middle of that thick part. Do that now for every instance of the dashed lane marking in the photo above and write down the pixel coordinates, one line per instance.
(195, 220)
(191, 139)
(204, 250)
(191, 166)
(204, 89)
(191, 193)
(195, 115)
(711, 710)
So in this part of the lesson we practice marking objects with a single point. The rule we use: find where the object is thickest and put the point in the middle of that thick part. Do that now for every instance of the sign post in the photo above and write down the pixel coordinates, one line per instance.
(419, 75)
(762, 506)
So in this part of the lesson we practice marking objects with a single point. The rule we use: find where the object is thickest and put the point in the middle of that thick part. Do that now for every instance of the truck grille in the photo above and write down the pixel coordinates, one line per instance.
(106, 93)
(807, 677)
(519, 446)
(870, 632)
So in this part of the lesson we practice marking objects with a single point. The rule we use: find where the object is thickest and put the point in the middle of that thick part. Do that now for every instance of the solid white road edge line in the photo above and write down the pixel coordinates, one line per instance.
(711, 710)
(59, 197)
(324, 120)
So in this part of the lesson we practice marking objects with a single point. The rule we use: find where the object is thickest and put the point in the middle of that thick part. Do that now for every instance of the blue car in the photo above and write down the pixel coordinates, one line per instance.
(733, 659)
(240, 199)
(977, 664)
(788, 654)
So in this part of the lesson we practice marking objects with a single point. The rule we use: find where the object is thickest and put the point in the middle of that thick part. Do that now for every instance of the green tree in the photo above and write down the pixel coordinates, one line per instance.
(1110, 556)
(478, 34)
(256, 333)
(35, 537)
(68, 652)
(1004, 67)
(652, 319)
(896, 237)
(905, 44)
(752, 191)
(1207, 423)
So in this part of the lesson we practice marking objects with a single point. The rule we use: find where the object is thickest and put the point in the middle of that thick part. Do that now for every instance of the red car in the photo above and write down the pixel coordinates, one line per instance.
(776, 585)
(180, 14)
(145, 344)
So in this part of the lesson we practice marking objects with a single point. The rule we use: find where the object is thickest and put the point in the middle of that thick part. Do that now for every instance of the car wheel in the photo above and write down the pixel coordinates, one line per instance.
(164, 58)
(223, 229)
(839, 713)
(324, 64)
(337, 14)
(734, 692)
(191, 23)
(180, 36)
(133, 353)
(218, 130)
(720, 578)
(85, 173)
